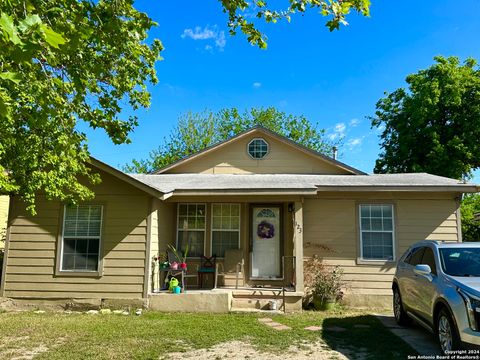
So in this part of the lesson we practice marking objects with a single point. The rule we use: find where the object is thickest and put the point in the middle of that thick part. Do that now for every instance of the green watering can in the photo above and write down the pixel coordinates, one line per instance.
(173, 284)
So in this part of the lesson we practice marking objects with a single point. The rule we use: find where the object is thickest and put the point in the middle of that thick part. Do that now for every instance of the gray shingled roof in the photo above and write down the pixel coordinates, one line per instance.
(167, 183)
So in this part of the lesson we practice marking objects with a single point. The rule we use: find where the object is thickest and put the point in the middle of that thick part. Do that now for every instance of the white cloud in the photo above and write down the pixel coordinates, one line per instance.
(257, 84)
(220, 40)
(355, 142)
(207, 33)
(340, 128)
(338, 131)
(354, 122)
(381, 128)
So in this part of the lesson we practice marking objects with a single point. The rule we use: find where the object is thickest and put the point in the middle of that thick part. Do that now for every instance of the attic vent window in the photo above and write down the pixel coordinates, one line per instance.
(257, 148)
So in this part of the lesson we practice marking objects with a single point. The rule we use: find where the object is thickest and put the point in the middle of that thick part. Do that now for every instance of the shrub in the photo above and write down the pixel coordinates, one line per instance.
(322, 281)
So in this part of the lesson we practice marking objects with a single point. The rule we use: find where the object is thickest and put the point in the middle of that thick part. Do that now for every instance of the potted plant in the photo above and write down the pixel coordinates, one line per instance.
(181, 260)
(323, 284)
(162, 260)
(327, 287)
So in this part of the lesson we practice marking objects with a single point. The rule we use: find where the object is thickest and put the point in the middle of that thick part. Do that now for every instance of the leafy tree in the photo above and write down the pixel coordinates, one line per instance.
(196, 131)
(470, 226)
(64, 62)
(337, 10)
(434, 125)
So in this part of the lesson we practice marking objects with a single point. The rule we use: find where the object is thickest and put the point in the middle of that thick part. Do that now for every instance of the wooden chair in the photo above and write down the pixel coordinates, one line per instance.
(208, 265)
(233, 264)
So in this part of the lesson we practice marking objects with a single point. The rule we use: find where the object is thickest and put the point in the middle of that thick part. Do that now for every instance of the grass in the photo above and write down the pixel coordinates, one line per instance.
(151, 335)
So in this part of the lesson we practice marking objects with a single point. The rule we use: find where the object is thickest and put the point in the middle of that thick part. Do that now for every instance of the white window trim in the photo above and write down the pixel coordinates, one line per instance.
(225, 230)
(362, 259)
(100, 238)
(266, 154)
(204, 230)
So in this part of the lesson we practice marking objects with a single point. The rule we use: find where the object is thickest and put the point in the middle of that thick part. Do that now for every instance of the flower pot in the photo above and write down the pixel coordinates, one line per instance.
(164, 265)
(174, 265)
(323, 303)
(183, 265)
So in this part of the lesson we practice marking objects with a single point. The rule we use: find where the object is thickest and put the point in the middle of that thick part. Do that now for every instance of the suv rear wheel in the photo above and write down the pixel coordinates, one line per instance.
(401, 316)
(446, 332)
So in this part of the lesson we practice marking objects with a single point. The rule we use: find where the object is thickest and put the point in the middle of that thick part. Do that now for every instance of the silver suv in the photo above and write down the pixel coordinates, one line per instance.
(438, 285)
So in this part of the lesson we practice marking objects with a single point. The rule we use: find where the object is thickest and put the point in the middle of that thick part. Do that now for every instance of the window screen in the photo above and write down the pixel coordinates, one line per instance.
(225, 228)
(82, 227)
(376, 231)
(191, 228)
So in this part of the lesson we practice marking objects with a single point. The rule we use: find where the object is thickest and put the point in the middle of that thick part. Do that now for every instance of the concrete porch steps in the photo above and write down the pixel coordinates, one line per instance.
(260, 311)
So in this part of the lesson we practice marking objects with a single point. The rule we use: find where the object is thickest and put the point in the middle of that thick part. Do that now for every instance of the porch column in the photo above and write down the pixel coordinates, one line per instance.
(298, 245)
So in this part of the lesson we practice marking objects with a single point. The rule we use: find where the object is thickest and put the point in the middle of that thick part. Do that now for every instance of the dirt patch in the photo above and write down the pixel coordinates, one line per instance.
(7, 304)
(242, 350)
(13, 348)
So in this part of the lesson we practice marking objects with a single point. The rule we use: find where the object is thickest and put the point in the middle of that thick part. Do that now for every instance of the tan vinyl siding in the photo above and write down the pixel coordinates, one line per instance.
(331, 232)
(234, 159)
(31, 264)
(4, 203)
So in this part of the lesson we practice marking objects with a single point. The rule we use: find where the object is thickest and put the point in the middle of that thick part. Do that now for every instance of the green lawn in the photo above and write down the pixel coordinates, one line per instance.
(154, 335)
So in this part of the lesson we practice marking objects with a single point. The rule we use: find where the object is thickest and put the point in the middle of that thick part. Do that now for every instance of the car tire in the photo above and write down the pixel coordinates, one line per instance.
(401, 316)
(447, 333)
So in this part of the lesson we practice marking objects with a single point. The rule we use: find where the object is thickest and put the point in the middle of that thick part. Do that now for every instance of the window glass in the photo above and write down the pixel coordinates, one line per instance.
(429, 259)
(191, 228)
(463, 262)
(417, 256)
(376, 231)
(225, 228)
(258, 148)
(81, 238)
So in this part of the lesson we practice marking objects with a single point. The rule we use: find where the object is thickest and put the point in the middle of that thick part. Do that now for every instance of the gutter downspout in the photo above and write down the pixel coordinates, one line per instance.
(458, 214)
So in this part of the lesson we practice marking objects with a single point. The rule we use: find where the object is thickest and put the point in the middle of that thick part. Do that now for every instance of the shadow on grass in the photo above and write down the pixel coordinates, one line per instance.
(364, 337)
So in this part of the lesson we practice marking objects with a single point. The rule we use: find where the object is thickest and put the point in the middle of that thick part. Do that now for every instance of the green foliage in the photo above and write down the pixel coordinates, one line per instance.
(63, 62)
(239, 14)
(322, 281)
(434, 126)
(470, 226)
(197, 131)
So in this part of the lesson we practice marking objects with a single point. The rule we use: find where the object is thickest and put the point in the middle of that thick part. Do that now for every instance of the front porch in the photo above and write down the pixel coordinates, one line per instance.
(224, 300)
(265, 237)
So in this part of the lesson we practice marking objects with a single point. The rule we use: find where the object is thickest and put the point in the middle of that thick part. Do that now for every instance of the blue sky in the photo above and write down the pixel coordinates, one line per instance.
(334, 79)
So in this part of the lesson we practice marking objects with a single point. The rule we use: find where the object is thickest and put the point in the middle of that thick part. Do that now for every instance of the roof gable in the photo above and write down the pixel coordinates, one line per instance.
(284, 156)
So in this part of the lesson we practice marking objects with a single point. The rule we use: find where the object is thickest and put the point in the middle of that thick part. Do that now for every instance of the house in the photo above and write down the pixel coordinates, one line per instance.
(4, 201)
(276, 201)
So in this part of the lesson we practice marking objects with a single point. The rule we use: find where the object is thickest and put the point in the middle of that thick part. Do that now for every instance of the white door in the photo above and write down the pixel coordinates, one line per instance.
(266, 230)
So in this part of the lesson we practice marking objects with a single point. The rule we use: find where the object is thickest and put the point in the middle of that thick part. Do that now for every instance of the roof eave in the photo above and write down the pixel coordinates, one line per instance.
(125, 177)
(253, 192)
(414, 188)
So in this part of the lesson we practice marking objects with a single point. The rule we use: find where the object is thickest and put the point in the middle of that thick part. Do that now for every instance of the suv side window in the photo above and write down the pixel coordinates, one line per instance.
(429, 259)
(408, 256)
(416, 257)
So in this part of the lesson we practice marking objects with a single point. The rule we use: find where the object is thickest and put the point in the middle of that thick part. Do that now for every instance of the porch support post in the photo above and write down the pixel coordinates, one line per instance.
(298, 245)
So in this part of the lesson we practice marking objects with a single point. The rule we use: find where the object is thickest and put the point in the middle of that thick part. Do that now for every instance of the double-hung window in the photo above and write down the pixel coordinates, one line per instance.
(376, 232)
(191, 228)
(225, 228)
(82, 228)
